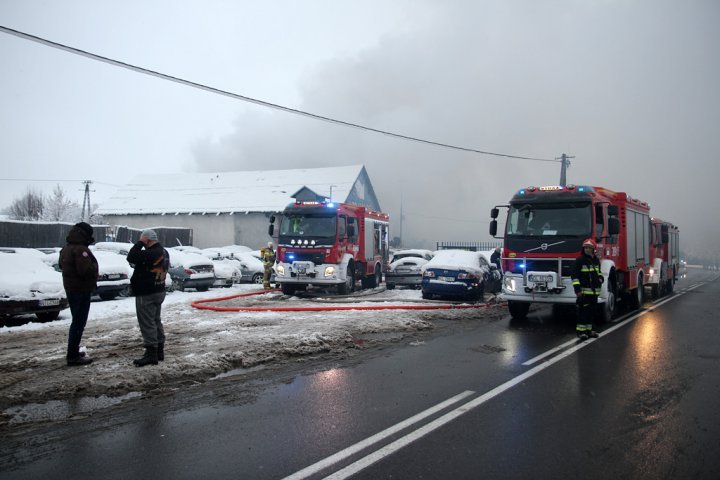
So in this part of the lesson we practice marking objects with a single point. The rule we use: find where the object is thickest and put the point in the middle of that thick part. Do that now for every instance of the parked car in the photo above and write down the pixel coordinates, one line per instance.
(494, 281)
(227, 272)
(114, 272)
(190, 270)
(28, 285)
(252, 267)
(455, 273)
(118, 247)
(405, 268)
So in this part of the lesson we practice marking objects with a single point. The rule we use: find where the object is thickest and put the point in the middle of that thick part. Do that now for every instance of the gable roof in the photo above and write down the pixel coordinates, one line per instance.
(230, 192)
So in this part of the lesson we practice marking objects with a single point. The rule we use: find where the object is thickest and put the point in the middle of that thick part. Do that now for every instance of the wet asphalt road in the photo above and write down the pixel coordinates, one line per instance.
(472, 401)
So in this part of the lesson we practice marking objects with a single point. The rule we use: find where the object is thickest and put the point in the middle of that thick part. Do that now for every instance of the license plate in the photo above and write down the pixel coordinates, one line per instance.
(541, 278)
(49, 303)
(113, 276)
(301, 270)
(446, 279)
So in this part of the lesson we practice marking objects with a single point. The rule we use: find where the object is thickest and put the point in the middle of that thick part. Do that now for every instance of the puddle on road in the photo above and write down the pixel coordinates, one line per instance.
(62, 409)
(238, 371)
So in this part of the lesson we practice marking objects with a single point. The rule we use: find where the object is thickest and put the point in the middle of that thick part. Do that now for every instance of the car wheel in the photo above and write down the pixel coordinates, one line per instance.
(257, 278)
(390, 286)
(202, 289)
(287, 289)
(47, 316)
(638, 296)
(609, 308)
(178, 285)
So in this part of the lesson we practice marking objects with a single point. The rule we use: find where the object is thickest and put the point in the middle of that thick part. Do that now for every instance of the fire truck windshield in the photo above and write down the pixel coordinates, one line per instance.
(308, 226)
(557, 219)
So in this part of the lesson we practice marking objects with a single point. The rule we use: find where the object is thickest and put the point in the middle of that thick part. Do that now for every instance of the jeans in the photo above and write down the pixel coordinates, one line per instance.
(148, 308)
(79, 308)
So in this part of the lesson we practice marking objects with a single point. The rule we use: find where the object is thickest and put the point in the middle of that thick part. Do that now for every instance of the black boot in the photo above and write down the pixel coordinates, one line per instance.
(150, 357)
(161, 351)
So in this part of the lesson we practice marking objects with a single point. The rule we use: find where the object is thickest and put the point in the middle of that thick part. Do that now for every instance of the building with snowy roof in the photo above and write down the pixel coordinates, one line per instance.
(231, 208)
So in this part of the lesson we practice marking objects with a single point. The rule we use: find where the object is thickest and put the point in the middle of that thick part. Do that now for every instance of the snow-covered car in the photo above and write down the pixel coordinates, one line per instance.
(237, 248)
(251, 267)
(187, 248)
(227, 272)
(114, 272)
(494, 281)
(455, 273)
(190, 270)
(405, 268)
(118, 247)
(28, 285)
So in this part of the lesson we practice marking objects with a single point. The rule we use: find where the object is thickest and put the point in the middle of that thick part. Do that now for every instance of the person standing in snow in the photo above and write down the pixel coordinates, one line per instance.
(587, 281)
(268, 259)
(151, 262)
(79, 273)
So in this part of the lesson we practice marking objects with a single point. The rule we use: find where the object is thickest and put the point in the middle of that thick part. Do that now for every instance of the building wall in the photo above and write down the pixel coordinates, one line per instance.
(208, 230)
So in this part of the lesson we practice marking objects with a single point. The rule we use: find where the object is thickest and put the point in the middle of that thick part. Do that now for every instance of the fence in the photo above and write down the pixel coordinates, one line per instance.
(52, 234)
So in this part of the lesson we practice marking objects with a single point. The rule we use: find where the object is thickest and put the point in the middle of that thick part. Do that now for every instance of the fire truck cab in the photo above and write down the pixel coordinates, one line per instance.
(543, 236)
(330, 244)
(665, 257)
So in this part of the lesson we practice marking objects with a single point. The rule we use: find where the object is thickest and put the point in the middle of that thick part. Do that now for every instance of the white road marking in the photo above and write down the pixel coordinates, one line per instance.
(353, 449)
(390, 448)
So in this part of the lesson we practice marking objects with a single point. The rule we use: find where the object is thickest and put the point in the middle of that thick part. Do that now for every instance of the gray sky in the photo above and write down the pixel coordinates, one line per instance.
(629, 87)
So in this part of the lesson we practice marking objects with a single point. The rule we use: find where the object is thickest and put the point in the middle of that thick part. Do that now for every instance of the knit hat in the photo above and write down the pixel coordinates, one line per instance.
(86, 228)
(150, 234)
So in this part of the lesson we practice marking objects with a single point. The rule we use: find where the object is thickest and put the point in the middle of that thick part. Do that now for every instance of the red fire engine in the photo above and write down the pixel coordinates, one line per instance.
(543, 236)
(326, 243)
(665, 257)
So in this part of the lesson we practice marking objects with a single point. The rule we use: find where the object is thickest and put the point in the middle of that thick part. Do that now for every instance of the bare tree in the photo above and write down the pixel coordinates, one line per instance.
(59, 208)
(28, 207)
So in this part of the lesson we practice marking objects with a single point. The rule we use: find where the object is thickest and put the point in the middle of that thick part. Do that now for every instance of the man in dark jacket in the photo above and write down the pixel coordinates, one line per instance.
(587, 281)
(79, 272)
(150, 261)
(496, 258)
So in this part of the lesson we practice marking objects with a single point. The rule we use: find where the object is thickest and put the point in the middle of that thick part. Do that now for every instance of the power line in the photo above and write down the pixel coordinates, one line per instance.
(243, 98)
(64, 180)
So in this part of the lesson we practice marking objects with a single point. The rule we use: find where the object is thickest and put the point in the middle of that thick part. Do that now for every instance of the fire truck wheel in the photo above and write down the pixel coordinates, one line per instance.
(349, 285)
(287, 289)
(518, 310)
(638, 296)
(609, 308)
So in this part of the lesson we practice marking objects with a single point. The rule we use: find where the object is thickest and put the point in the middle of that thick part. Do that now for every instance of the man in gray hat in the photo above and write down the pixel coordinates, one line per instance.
(151, 262)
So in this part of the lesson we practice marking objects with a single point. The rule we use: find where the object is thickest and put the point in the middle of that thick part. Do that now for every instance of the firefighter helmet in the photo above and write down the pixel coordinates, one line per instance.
(589, 242)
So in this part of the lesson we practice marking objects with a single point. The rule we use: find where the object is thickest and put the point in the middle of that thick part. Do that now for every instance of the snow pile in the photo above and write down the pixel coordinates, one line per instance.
(201, 344)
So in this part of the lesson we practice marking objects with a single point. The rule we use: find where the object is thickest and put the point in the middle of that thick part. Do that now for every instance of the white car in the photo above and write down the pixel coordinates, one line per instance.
(190, 270)
(406, 268)
(114, 272)
(28, 285)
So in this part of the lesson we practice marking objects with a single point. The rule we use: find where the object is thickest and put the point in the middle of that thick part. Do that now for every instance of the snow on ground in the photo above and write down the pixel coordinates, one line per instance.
(201, 344)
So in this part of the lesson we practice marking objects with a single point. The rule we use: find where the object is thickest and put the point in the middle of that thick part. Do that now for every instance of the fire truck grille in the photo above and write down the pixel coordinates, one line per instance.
(316, 257)
(544, 266)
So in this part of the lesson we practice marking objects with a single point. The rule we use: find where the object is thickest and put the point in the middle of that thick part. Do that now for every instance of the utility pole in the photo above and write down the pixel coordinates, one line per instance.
(564, 164)
(86, 202)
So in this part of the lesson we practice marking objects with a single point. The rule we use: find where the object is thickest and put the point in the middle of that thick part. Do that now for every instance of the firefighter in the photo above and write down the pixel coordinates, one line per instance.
(268, 259)
(587, 281)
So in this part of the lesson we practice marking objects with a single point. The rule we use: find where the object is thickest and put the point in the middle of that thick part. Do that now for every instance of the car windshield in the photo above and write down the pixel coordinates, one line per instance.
(308, 226)
(564, 219)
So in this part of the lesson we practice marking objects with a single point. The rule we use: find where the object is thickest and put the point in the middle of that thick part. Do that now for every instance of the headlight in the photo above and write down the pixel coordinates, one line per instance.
(280, 270)
(509, 283)
(329, 271)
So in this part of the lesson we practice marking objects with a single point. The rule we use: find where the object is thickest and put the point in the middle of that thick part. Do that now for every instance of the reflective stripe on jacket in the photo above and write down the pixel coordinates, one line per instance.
(586, 275)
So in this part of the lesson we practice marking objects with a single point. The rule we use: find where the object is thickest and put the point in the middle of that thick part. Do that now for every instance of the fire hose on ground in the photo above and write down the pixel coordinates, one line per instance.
(200, 304)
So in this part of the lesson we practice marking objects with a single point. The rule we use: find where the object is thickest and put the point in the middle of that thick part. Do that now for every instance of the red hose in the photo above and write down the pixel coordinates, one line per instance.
(198, 304)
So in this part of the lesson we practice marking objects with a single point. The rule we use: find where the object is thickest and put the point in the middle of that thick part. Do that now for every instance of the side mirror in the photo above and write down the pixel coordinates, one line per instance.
(613, 226)
(271, 229)
(613, 210)
(493, 227)
(494, 212)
